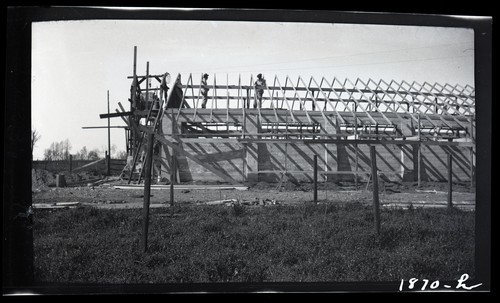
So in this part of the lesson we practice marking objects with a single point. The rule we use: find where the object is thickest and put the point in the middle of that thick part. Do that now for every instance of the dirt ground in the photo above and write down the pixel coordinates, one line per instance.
(42, 180)
(99, 191)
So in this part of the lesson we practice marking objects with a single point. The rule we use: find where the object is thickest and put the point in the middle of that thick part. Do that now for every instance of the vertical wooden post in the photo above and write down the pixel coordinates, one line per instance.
(109, 143)
(419, 155)
(471, 131)
(471, 134)
(172, 178)
(133, 103)
(376, 206)
(147, 191)
(70, 163)
(471, 169)
(450, 181)
(147, 89)
(106, 161)
(126, 142)
(315, 179)
(356, 149)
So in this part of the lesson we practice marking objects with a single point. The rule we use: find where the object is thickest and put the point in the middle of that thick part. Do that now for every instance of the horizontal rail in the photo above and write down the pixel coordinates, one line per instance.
(317, 89)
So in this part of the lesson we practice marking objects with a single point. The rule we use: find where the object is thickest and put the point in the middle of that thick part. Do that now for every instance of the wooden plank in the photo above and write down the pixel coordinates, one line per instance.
(113, 115)
(94, 127)
(184, 186)
(89, 164)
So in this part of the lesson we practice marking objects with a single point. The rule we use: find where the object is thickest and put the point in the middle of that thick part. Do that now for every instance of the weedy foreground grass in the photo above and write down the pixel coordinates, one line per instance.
(306, 243)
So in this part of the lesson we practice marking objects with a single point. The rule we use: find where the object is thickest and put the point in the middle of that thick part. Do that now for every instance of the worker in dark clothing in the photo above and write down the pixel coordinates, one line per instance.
(135, 94)
(260, 84)
(176, 96)
(204, 90)
(163, 86)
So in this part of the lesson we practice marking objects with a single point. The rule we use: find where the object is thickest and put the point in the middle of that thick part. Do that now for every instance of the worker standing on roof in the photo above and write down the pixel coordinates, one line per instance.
(164, 87)
(176, 96)
(260, 84)
(204, 90)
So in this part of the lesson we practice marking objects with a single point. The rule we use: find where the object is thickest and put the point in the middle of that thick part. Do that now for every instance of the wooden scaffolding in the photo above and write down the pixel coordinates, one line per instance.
(331, 113)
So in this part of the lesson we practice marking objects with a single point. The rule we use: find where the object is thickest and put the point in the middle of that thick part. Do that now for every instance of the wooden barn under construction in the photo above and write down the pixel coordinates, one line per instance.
(415, 128)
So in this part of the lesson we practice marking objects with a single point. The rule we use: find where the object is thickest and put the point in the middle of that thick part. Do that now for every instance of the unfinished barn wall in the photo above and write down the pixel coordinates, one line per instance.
(434, 160)
(227, 157)
(255, 162)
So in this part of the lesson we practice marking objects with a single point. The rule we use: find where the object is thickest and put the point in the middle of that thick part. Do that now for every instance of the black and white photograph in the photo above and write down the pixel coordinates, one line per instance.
(200, 150)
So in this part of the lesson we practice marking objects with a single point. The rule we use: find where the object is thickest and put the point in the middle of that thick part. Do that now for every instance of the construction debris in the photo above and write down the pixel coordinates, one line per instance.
(183, 187)
(228, 202)
(430, 191)
(58, 205)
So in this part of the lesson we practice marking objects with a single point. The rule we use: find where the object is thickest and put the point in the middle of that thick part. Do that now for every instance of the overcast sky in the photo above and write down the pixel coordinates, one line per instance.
(74, 63)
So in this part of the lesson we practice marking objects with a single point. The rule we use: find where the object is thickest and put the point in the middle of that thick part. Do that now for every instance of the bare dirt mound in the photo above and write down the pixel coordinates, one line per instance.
(41, 179)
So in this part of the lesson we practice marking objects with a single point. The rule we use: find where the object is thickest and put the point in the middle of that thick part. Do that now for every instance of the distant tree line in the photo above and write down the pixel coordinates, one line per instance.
(62, 150)
(58, 151)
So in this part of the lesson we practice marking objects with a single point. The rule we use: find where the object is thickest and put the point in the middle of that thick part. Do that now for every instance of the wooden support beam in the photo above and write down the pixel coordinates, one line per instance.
(354, 141)
(96, 127)
(113, 115)
(376, 204)
(331, 89)
(109, 141)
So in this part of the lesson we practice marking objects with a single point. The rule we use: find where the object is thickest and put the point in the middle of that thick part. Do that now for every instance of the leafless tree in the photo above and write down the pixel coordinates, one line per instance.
(58, 151)
(35, 136)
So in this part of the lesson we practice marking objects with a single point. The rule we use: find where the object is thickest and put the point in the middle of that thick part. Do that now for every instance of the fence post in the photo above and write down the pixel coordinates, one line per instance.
(315, 179)
(472, 169)
(419, 156)
(450, 160)
(147, 191)
(172, 178)
(376, 206)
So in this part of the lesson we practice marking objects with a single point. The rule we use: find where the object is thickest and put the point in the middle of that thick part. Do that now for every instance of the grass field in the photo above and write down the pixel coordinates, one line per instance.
(252, 244)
